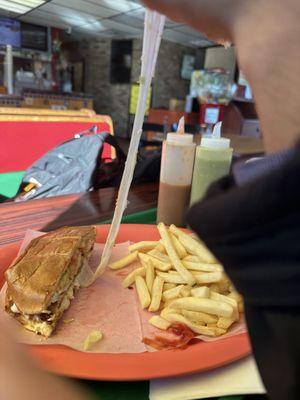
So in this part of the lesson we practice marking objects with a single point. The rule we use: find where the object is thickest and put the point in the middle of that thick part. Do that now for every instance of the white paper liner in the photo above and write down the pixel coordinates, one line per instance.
(107, 306)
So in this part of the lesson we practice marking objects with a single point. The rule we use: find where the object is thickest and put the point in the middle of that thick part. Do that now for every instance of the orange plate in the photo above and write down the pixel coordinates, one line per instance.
(197, 357)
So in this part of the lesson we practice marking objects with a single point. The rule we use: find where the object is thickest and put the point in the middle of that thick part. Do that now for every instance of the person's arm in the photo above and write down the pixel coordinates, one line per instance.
(20, 378)
(267, 35)
(253, 229)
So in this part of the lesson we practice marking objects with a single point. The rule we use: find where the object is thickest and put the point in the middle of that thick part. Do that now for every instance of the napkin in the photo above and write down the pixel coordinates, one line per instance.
(240, 377)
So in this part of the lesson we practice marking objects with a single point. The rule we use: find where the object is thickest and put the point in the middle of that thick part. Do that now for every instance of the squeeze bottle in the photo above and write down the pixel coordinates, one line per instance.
(175, 177)
(212, 162)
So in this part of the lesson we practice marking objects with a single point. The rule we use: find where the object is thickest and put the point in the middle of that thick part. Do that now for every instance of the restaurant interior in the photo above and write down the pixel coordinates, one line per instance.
(71, 71)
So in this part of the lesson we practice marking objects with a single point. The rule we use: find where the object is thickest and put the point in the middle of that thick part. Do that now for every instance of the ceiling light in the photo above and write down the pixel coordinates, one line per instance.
(120, 5)
(20, 6)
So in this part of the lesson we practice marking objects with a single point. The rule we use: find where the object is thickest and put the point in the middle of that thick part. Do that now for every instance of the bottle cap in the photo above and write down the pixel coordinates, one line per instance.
(215, 141)
(211, 143)
(177, 138)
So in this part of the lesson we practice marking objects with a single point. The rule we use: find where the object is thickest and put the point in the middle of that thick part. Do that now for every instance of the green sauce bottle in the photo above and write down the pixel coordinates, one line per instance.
(212, 162)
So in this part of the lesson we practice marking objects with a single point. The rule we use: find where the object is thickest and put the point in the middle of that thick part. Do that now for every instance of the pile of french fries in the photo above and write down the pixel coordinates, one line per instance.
(182, 282)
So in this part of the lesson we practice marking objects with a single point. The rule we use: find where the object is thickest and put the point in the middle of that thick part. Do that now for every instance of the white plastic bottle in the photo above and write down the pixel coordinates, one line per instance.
(212, 162)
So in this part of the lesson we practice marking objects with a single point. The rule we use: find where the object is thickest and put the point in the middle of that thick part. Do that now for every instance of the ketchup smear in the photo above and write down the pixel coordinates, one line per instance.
(176, 337)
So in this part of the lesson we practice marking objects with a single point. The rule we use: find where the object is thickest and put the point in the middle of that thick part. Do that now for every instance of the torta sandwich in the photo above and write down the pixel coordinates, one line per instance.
(42, 280)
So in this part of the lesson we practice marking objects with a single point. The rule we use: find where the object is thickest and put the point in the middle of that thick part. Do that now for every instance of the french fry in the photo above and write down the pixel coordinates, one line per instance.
(159, 322)
(157, 264)
(175, 318)
(225, 323)
(93, 337)
(202, 278)
(235, 295)
(143, 246)
(167, 310)
(185, 291)
(160, 247)
(193, 246)
(208, 277)
(231, 287)
(184, 273)
(150, 275)
(191, 258)
(223, 286)
(192, 320)
(208, 306)
(195, 236)
(168, 286)
(172, 293)
(197, 328)
(182, 280)
(202, 291)
(202, 266)
(219, 331)
(130, 278)
(123, 262)
(168, 302)
(171, 277)
(211, 324)
(200, 317)
(156, 294)
(214, 287)
(180, 250)
(142, 291)
(225, 299)
(160, 256)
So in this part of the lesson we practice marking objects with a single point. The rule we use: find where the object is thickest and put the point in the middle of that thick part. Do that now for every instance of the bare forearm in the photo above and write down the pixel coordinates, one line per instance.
(214, 18)
(26, 382)
(267, 36)
(269, 54)
(21, 379)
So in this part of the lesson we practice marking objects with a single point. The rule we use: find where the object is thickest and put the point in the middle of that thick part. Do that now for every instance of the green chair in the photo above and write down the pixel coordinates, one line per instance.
(10, 182)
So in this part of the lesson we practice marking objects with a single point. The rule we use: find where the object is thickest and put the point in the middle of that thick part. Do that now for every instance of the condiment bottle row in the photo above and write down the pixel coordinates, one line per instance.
(187, 171)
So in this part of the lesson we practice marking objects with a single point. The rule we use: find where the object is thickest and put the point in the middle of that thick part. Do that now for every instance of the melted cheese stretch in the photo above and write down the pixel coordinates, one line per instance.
(153, 28)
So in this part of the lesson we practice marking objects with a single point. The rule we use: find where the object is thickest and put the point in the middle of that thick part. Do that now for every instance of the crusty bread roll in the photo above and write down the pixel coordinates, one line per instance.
(42, 280)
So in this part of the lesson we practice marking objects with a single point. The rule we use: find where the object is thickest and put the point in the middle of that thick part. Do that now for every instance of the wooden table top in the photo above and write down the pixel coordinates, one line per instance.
(76, 209)
(245, 145)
